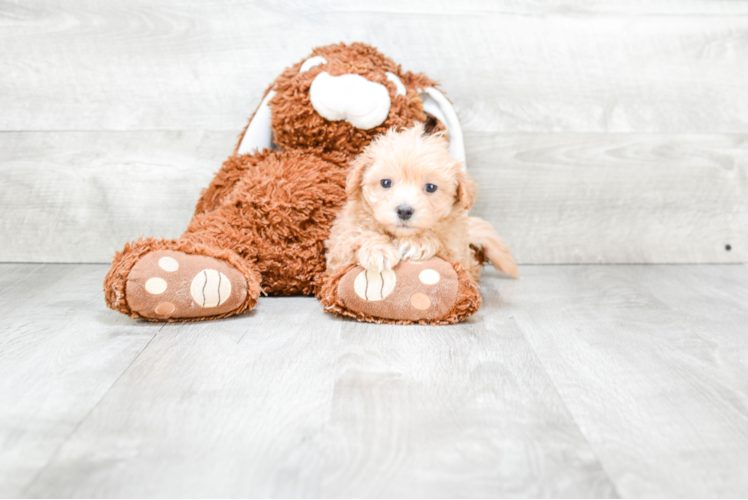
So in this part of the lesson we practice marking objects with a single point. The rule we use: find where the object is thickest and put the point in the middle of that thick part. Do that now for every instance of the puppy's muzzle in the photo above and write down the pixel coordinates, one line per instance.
(404, 212)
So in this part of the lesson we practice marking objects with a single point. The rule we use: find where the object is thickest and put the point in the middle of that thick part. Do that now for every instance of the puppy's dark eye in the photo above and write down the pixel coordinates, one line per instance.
(430, 188)
(386, 183)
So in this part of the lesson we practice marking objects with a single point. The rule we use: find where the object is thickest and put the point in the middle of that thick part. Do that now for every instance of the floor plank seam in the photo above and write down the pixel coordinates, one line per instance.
(613, 484)
(32, 481)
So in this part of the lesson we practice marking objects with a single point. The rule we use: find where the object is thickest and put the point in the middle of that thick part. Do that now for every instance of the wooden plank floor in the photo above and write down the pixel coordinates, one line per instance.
(585, 381)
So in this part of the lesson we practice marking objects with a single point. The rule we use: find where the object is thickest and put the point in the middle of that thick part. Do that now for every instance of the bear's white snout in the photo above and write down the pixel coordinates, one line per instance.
(361, 102)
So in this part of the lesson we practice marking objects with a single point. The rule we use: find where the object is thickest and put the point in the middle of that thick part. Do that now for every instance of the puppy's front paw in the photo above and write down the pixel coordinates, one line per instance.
(416, 251)
(378, 257)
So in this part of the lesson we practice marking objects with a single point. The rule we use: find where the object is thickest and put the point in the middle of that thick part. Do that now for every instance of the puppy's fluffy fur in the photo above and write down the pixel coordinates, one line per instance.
(369, 231)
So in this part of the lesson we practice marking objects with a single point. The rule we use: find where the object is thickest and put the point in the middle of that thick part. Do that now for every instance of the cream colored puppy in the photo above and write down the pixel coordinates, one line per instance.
(408, 199)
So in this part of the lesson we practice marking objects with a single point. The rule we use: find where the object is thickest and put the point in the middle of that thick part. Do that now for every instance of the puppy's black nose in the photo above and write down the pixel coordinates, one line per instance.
(404, 212)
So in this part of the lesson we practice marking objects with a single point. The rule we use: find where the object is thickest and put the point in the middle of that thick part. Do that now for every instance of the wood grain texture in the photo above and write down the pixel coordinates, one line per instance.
(600, 132)
(567, 66)
(211, 408)
(555, 198)
(287, 401)
(706, 298)
(443, 413)
(614, 198)
(60, 352)
(591, 381)
(79, 196)
(651, 362)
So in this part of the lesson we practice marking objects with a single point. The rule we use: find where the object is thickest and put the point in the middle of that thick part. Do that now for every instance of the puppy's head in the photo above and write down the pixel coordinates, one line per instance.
(408, 181)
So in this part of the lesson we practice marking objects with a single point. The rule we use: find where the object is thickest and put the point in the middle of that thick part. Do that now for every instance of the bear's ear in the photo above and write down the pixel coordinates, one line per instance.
(439, 107)
(258, 135)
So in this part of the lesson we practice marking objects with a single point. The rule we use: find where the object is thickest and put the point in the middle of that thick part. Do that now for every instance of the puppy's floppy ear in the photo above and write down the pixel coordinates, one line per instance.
(356, 174)
(466, 189)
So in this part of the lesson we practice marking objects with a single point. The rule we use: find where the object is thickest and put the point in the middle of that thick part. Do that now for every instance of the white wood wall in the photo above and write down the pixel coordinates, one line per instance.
(606, 132)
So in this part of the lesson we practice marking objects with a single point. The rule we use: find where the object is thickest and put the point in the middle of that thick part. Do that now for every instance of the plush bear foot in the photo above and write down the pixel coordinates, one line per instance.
(180, 280)
(430, 292)
(167, 284)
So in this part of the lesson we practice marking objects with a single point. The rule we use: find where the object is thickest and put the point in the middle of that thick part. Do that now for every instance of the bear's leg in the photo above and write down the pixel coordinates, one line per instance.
(170, 280)
(277, 216)
(433, 292)
(262, 223)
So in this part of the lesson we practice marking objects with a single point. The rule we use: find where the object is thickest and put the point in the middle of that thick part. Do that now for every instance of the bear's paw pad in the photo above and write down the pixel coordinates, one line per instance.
(167, 284)
(411, 291)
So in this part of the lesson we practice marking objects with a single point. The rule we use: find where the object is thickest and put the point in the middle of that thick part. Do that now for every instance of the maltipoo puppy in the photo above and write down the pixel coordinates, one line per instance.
(408, 199)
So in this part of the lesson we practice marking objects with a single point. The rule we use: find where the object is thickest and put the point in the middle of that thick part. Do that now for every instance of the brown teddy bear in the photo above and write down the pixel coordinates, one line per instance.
(261, 224)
